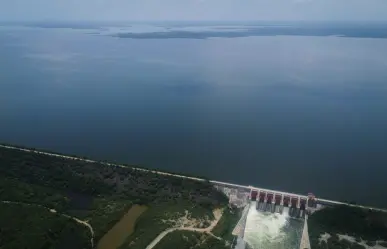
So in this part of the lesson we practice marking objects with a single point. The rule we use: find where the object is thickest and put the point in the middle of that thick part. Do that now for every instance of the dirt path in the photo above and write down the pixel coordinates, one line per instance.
(217, 214)
(84, 223)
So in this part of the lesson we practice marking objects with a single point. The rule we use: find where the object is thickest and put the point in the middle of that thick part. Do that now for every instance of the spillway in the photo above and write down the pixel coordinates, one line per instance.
(266, 230)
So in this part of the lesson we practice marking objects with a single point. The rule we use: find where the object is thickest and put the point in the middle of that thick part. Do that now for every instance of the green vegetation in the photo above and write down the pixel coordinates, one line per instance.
(359, 223)
(100, 195)
(14, 190)
(35, 227)
(227, 223)
(103, 214)
(190, 240)
(104, 161)
(195, 240)
(160, 217)
(120, 231)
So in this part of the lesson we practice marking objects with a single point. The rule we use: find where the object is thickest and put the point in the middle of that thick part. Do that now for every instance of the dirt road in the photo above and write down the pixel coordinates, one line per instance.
(217, 214)
(84, 223)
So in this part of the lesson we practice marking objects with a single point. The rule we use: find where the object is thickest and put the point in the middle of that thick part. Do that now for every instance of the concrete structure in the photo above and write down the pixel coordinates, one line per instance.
(305, 243)
(317, 200)
(274, 202)
(239, 229)
(253, 194)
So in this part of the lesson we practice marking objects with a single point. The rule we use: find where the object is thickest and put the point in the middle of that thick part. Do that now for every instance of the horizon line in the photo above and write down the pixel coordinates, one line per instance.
(188, 20)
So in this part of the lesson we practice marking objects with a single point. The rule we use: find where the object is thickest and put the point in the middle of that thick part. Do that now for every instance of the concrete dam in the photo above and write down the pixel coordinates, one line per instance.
(273, 202)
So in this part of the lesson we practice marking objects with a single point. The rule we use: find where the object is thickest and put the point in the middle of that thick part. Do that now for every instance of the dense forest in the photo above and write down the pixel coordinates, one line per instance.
(95, 179)
(38, 228)
(366, 226)
(94, 192)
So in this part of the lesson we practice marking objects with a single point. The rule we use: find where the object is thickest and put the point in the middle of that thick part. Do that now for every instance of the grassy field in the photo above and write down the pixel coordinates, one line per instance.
(122, 229)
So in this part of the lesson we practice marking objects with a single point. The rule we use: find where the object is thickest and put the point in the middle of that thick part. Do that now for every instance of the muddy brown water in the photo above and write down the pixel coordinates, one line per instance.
(122, 229)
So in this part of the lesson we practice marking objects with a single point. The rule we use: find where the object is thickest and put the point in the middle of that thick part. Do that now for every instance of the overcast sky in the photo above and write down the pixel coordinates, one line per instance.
(193, 10)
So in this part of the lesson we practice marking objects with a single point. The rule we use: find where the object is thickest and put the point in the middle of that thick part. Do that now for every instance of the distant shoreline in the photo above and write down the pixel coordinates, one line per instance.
(176, 30)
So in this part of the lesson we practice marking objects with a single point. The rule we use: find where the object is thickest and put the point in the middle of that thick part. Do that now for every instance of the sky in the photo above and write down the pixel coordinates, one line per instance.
(269, 10)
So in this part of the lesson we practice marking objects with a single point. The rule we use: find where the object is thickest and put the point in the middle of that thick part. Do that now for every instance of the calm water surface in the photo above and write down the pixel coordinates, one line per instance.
(291, 113)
